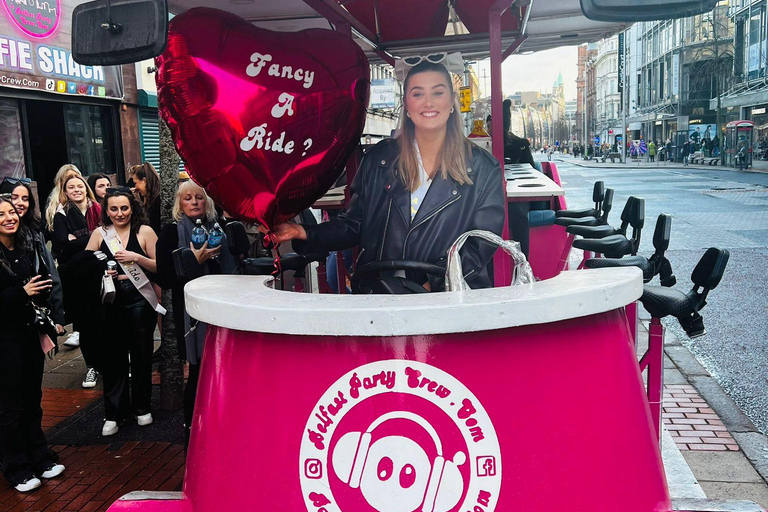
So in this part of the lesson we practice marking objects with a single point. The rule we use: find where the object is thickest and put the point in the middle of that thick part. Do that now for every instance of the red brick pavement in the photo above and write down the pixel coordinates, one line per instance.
(60, 404)
(96, 476)
(692, 423)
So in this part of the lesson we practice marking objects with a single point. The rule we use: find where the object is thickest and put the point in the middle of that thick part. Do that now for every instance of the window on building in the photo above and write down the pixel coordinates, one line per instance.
(89, 137)
(11, 147)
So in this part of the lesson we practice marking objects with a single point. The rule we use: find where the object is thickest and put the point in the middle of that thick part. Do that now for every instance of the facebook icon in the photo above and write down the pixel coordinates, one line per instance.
(486, 466)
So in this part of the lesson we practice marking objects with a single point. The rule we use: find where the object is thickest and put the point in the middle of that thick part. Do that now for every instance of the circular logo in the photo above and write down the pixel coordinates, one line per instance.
(394, 436)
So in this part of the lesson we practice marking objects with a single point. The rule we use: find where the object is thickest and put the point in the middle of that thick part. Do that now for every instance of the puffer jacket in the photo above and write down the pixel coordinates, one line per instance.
(378, 217)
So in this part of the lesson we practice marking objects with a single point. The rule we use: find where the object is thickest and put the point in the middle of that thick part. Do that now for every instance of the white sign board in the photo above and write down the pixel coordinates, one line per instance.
(383, 93)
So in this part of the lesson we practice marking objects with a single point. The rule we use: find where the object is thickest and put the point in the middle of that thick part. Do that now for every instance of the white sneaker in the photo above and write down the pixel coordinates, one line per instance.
(144, 419)
(73, 340)
(109, 428)
(53, 471)
(90, 378)
(29, 484)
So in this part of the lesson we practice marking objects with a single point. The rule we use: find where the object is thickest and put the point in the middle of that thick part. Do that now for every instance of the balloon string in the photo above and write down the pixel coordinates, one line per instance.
(269, 244)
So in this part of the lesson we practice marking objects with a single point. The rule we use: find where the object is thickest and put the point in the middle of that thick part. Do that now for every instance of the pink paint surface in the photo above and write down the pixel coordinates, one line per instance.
(566, 401)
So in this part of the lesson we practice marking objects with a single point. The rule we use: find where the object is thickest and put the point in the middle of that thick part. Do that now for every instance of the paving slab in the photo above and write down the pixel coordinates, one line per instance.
(741, 491)
(680, 479)
(728, 467)
(755, 447)
(715, 506)
(683, 359)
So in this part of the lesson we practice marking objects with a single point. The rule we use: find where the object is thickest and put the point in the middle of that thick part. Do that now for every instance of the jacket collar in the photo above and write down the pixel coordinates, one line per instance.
(441, 192)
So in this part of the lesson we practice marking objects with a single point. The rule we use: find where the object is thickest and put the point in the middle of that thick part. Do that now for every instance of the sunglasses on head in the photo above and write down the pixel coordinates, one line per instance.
(16, 181)
(119, 190)
(434, 58)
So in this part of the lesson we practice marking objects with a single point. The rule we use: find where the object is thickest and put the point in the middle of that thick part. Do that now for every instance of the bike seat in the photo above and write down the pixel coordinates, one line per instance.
(584, 212)
(640, 262)
(592, 231)
(573, 221)
(614, 246)
(264, 266)
(661, 302)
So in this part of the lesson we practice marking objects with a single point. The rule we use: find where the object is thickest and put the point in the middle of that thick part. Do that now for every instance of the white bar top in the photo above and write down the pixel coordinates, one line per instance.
(522, 183)
(248, 303)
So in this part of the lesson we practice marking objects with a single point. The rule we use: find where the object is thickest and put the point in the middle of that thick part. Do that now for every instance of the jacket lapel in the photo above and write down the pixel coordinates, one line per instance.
(441, 192)
(401, 197)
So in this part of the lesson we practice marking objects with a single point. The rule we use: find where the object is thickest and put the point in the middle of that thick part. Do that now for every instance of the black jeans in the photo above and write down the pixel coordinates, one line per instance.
(129, 327)
(23, 445)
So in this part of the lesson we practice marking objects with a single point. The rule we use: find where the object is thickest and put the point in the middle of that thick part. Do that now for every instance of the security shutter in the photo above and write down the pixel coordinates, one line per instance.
(150, 137)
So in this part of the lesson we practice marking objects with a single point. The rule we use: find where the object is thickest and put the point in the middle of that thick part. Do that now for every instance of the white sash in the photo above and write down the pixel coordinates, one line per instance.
(136, 275)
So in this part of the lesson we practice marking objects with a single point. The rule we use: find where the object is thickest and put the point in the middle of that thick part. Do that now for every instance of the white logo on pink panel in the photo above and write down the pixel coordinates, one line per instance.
(399, 436)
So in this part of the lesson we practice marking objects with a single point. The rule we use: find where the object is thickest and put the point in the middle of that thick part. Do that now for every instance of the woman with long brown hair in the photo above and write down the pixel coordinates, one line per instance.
(147, 185)
(414, 196)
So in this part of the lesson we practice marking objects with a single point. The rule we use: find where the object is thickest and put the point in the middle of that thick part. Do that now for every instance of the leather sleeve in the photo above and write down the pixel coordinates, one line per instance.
(57, 294)
(489, 216)
(344, 231)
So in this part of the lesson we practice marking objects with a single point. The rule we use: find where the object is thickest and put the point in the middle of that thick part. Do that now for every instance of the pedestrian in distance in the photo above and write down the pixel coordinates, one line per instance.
(72, 227)
(99, 183)
(652, 151)
(686, 152)
(25, 284)
(129, 321)
(146, 184)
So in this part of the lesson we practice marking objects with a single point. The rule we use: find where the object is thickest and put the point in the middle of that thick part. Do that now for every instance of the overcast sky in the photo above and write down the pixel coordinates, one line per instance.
(534, 72)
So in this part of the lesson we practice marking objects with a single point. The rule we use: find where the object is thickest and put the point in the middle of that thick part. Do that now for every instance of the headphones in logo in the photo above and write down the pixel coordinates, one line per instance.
(394, 473)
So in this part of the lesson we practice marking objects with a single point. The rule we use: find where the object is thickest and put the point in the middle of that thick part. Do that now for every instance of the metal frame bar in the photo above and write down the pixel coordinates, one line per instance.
(653, 360)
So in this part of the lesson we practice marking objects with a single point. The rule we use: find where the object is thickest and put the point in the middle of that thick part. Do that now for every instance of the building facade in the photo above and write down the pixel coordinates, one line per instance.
(607, 99)
(54, 111)
(587, 54)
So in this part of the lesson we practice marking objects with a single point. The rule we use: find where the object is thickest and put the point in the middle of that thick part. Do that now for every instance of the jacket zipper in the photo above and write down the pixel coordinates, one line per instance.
(425, 219)
(386, 225)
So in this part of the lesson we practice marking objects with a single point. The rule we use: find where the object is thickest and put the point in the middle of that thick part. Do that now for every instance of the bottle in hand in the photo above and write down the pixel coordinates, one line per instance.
(215, 236)
(199, 235)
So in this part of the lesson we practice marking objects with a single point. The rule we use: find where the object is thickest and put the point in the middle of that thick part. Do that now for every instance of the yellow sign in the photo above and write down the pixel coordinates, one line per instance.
(465, 98)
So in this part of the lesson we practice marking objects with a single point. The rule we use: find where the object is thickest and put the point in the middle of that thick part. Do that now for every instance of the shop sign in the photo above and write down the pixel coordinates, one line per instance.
(659, 123)
(383, 93)
(758, 111)
(465, 99)
(35, 42)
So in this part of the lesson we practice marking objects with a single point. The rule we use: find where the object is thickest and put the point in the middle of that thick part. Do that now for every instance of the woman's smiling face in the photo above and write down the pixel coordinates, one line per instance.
(429, 100)
(20, 199)
(75, 190)
(9, 219)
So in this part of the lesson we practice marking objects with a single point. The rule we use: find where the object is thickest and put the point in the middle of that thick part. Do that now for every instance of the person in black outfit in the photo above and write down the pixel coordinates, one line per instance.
(191, 204)
(23, 447)
(24, 201)
(129, 321)
(99, 184)
(415, 195)
(72, 226)
(147, 185)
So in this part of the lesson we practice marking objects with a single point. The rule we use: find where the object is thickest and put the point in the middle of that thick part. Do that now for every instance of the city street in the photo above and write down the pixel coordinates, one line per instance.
(710, 207)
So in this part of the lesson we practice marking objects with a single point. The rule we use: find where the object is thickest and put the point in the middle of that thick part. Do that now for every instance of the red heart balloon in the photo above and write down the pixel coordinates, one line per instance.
(264, 121)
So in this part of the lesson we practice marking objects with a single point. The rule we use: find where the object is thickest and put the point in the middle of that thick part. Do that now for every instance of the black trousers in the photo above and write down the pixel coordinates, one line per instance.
(517, 213)
(23, 446)
(129, 327)
(190, 393)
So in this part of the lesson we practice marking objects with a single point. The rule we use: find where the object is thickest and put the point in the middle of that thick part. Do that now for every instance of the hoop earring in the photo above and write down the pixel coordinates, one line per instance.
(408, 114)
(452, 109)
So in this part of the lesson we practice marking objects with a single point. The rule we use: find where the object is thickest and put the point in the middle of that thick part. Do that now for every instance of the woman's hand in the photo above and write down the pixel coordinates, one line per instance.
(287, 231)
(126, 256)
(71, 237)
(60, 329)
(203, 254)
(35, 286)
(112, 273)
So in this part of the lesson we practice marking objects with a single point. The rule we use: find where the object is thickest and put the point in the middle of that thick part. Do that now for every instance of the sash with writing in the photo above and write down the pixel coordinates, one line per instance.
(136, 275)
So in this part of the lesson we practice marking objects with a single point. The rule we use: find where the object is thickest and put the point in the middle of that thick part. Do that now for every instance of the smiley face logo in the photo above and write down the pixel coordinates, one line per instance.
(408, 448)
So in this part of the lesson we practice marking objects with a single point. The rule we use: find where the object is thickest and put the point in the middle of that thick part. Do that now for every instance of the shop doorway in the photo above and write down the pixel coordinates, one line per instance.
(47, 144)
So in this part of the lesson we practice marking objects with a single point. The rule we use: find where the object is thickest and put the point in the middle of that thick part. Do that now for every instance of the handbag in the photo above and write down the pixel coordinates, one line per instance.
(107, 289)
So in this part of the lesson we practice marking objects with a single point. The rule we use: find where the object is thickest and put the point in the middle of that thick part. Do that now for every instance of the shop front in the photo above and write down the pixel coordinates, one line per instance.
(758, 114)
(53, 111)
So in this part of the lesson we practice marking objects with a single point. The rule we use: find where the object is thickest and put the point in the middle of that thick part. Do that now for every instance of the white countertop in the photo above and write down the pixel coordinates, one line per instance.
(248, 303)
(530, 183)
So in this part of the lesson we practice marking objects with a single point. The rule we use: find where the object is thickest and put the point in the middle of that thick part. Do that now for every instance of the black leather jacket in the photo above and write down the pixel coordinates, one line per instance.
(378, 217)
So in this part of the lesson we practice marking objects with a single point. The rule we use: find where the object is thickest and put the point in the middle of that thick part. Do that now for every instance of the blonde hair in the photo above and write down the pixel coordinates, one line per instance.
(54, 199)
(452, 158)
(88, 191)
(190, 187)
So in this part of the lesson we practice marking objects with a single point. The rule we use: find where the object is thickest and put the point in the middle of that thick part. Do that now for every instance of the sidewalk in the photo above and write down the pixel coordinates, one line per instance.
(710, 449)
(758, 166)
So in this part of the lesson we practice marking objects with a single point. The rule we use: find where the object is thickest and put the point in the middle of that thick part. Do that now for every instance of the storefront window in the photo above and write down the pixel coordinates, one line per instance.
(11, 147)
(89, 138)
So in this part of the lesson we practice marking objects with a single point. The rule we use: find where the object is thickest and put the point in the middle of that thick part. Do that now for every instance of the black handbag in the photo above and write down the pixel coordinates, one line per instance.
(43, 320)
